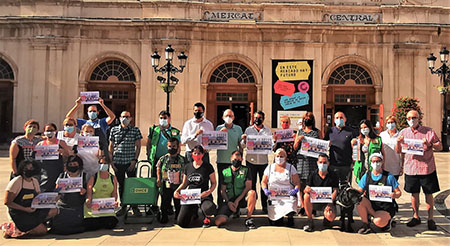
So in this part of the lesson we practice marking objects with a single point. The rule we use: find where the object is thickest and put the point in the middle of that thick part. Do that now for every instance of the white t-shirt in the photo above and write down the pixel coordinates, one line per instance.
(392, 160)
(280, 179)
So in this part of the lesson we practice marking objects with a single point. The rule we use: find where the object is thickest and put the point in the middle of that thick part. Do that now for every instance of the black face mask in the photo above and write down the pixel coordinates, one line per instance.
(172, 151)
(236, 163)
(258, 121)
(308, 122)
(198, 114)
(29, 173)
(72, 169)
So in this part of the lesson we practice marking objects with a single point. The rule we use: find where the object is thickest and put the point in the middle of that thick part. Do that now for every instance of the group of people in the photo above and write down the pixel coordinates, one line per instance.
(292, 175)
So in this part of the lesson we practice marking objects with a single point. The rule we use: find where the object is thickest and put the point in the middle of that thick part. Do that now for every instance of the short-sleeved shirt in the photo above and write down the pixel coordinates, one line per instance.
(330, 180)
(416, 164)
(26, 147)
(124, 140)
(341, 148)
(280, 179)
(15, 185)
(98, 123)
(257, 159)
(391, 181)
(234, 137)
(392, 159)
(198, 178)
(190, 127)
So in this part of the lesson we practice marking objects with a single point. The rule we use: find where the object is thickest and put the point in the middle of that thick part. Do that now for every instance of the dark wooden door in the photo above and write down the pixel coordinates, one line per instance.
(6, 110)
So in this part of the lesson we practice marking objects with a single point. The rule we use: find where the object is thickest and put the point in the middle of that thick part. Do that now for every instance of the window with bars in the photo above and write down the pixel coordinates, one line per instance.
(113, 68)
(6, 71)
(349, 98)
(225, 97)
(232, 70)
(114, 94)
(350, 71)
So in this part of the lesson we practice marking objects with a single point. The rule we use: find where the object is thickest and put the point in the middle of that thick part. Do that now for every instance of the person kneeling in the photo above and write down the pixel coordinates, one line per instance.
(382, 212)
(237, 185)
(321, 178)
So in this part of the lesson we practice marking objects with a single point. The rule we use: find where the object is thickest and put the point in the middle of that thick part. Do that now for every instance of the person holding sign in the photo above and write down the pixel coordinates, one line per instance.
(420, 171)
(288, 146)
(19, 195)
(90, 153)
(237, 192)
(393, 162)
(257, 162)
(197, 175)
(320, 178)
(382, 212)
(281, 184)
(69, 135)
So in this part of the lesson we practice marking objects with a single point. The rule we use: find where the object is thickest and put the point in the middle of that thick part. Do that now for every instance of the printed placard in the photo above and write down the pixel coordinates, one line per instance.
(412, 146)
(89, 97)
(259, 144)
(380, 193)
(45, 200)
(190, 196)
(321, 194)
(103, 205)
(46, 152)
(70, 185)
(88, 143)
(279, 192)
(214, 140)
(284, 135)
(313, 147)
(356, 151)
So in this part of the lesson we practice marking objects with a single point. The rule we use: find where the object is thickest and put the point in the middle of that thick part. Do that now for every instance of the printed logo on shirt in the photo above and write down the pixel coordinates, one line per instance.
(195, 178)
(28, 196)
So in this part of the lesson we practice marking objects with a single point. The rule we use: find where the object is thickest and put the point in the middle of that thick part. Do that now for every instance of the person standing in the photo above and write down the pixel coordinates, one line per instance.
(223, 156)
(287, 146)
(124, 148)
(420, 170)
(22, 146)
(393, 162)
(257, 162)
(193, 128)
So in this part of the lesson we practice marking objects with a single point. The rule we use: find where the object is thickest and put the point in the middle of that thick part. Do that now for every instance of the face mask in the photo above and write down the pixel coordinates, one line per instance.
(376, 165)
(163, 122)
(72, 169)
(258, 121)
(49, 134)
(28, 173)
(87, 134)
(30, 130)
(390, 126)
(69, 129)
(236, 163)
(308, 122)
(322, 167)
(197, 158)
(228, 120)
(198, 114)
(92, 115)
(413, 122)
(339, 122)
(103, 167)
(279, 160)
(285, 125)
(124, 121)
(365, 131)
(172, 151)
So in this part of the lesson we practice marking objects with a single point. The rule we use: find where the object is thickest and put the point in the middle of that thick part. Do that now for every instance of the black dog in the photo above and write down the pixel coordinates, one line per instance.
(347, 198)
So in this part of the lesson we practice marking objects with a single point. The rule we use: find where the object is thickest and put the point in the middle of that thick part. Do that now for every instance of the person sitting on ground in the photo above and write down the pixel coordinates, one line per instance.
(19, 195)
(237, 192)
(382, 212)
(321, 178)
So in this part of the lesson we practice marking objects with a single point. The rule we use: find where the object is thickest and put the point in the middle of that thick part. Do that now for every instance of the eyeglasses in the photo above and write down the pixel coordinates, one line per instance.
(414, 118)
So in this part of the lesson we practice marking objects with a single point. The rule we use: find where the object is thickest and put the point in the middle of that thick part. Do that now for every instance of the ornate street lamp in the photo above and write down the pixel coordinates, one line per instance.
(443, 72)
(168, 84)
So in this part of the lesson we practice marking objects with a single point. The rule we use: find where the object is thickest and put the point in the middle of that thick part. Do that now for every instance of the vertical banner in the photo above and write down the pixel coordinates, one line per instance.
(292, 85)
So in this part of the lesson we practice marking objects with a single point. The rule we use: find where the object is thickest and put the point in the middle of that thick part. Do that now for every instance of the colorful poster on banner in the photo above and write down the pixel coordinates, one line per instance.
(46, 152)
(284, 135)
(292, 87)
(380, 193)
(412, 146)
(313, 147)
(88, 143)
(321, 194)
(356, 150)
(214, 140)
(190, 196)
(259, 144)
(89, 97)
(69, 185)
(103, 205)
(45, 200)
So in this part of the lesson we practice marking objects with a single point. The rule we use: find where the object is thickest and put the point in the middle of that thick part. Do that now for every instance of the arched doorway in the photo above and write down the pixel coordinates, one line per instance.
(350, 89)
(115, 81)
(6, 100)
(231, 85)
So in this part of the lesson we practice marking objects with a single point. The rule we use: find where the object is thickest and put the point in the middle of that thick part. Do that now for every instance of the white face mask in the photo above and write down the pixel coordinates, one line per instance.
(163, 122)
(322, 167)
(376, 165)
(413, 122)
(279, 160)
(365, 131)
(228, 120)
(390, 126)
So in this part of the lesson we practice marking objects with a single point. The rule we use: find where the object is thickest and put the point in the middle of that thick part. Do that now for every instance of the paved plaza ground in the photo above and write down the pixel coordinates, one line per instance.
(236, 234)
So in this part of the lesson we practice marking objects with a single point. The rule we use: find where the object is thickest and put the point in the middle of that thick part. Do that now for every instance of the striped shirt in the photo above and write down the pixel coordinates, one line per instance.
(26, 147)
(416, 164)
(124, 143)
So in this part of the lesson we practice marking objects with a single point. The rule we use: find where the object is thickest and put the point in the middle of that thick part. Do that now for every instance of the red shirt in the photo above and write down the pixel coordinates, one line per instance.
(416, 164)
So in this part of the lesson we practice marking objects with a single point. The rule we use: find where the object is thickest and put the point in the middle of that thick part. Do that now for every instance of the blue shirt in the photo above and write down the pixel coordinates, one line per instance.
(341, 148)
(391, 181)
(234, 138)
(98, 123)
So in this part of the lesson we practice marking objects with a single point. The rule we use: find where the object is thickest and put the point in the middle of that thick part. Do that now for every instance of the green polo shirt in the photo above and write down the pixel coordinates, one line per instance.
(234, 137)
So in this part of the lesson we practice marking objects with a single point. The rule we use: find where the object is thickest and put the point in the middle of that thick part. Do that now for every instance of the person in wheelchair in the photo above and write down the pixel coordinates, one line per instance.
(170, 168)
(382, 212)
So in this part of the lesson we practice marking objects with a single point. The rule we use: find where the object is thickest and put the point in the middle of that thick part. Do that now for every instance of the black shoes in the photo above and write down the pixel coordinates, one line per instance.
(365, 229)
(432, 225)
(309, 227)
(413, 222)
(250, 224)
